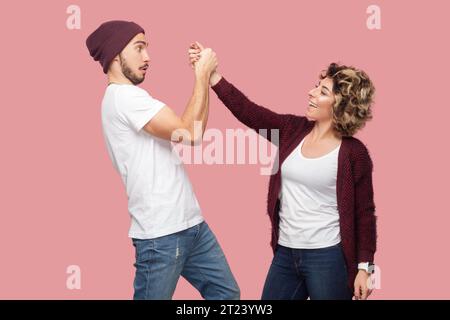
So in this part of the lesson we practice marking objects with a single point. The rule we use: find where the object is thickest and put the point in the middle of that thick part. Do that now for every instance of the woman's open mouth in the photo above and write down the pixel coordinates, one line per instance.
(312, 105)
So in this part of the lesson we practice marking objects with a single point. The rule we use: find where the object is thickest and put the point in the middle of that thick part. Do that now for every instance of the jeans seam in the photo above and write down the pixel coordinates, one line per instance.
(205, 280)
(197, 234)
(193, 247)
(296, 289)
(297, 266)
(147, 274)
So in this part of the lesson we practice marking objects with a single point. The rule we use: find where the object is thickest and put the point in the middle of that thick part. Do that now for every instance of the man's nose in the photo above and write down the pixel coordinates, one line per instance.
(146, 57)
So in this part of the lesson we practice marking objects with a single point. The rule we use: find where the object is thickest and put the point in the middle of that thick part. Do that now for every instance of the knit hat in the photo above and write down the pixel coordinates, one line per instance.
(109, 39)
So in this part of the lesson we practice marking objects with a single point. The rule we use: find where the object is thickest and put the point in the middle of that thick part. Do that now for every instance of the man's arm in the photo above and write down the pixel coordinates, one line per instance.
(200, 103)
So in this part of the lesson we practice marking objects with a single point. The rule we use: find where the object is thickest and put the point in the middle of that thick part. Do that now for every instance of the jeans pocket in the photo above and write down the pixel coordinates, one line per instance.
(143, 249)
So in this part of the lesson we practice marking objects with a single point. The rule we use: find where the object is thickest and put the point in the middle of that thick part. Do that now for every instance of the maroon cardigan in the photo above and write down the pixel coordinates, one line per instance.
(354, 188)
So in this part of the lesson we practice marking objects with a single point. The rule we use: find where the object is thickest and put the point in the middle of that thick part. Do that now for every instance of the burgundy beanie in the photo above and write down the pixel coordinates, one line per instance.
(109, 39)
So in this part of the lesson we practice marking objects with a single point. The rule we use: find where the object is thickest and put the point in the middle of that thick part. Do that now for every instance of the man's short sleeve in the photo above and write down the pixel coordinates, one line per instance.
(136, 106)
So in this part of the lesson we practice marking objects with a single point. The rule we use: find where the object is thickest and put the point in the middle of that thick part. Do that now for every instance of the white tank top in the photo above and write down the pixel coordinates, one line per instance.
(309, 218)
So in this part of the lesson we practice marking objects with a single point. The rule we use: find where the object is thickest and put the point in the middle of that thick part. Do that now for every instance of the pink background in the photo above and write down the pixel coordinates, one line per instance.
(62, 203)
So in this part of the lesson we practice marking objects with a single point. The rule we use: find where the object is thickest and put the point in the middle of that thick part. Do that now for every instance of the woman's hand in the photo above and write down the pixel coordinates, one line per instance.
(362, 280)
(194, 53)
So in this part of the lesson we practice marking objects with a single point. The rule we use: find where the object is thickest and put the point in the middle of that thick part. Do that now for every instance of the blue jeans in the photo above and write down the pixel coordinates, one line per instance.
(193, 253)
(296, 274)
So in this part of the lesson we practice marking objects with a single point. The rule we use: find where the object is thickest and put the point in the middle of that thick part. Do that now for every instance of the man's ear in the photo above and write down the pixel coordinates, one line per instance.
(117, 58)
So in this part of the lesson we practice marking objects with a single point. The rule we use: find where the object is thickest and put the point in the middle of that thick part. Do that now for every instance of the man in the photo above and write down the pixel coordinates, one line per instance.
(167, 228)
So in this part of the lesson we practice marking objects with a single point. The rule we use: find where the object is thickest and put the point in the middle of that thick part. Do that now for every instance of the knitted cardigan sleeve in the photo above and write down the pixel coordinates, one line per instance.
(248, 112)
(365, 219)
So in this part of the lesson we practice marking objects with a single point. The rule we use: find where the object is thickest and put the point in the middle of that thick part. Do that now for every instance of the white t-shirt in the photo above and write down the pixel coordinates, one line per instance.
(309, 218)
(161, 200)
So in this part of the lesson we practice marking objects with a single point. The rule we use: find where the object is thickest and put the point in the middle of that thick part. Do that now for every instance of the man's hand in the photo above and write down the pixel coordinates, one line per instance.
(362, 291)
(195, 53)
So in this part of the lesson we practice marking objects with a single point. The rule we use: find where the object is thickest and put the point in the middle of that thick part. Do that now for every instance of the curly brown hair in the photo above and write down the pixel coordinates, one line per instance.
(354, 94)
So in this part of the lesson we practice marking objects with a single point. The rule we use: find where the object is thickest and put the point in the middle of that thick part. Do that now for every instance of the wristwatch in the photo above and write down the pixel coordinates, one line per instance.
(368, 267)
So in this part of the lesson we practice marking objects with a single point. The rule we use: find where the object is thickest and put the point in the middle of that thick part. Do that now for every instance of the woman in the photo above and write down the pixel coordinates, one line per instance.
(320, 202)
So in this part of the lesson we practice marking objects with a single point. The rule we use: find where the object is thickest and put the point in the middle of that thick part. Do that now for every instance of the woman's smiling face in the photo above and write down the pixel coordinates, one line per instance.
(321, 101)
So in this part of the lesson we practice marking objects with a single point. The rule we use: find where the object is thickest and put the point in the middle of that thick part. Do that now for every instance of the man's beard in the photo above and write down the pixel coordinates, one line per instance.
(128, 73)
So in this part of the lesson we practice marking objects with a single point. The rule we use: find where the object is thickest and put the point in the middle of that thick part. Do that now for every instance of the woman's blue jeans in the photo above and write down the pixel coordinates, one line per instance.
(298, 274)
